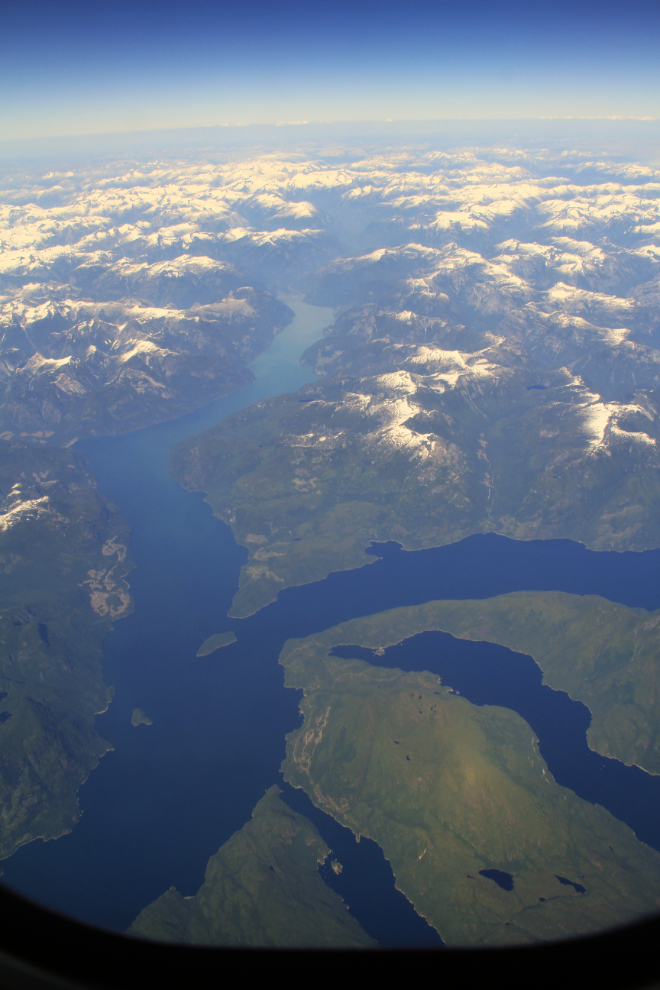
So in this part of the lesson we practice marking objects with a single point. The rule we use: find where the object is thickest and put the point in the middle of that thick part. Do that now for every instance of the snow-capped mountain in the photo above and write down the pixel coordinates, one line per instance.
(145, 287)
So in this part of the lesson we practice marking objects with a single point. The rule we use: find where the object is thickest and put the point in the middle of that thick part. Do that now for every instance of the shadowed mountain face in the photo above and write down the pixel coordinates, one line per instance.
(75, 364)
(63, 561)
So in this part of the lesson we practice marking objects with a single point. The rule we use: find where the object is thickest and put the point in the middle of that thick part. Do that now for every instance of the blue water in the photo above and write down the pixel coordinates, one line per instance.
(366, 882)
(170, 794)
(159, 805)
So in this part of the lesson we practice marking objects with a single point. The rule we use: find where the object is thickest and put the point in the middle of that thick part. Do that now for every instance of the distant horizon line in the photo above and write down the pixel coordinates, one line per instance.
(303, 124)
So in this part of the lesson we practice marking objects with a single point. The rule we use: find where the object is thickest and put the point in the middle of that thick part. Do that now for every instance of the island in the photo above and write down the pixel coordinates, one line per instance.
(140, 718)
(216, 642)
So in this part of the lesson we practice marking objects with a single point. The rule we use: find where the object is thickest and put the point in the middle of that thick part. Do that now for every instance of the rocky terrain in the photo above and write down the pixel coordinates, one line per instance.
(493, 366)
(127, 346)
(63, 562)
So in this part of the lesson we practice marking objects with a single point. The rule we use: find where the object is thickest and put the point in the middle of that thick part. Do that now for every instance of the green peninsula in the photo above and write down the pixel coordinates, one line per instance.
(605, 655)
(216, 642)
(449, 789)
(262, 888)
(307, 481)
(63, 566)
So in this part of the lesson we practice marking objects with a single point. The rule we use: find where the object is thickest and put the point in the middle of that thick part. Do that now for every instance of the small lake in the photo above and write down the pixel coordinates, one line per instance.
(171, 793)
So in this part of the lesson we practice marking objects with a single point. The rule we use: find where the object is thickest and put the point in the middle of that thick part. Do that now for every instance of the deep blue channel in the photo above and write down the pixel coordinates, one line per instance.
(159, 805)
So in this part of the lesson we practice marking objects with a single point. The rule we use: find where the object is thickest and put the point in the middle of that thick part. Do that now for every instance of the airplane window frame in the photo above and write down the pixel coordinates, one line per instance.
(41, 949)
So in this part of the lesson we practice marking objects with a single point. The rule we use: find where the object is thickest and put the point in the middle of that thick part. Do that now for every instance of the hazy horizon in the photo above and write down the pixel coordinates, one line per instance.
(620, 139)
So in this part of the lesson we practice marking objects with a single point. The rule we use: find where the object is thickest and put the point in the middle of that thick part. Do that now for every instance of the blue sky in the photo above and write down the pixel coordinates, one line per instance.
(80, 68)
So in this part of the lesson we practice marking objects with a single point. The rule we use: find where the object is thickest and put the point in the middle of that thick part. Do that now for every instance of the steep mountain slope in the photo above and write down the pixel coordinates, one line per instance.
(63, 562)
(471, 381)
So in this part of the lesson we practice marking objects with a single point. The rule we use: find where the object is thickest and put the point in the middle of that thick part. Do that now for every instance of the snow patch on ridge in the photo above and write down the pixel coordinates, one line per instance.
(29, 510)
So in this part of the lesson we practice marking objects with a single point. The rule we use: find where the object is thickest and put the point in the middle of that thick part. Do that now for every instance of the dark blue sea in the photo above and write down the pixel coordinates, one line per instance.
(159, 805)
